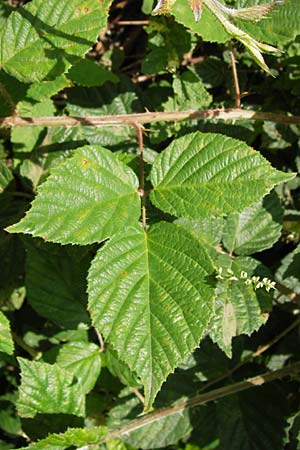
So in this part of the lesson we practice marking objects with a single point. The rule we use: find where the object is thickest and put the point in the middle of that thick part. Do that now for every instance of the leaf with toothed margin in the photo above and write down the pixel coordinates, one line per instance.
(200, 175)
(6, 342)
(42, 40)
(87, 199)
(151, 296)
(48, 388)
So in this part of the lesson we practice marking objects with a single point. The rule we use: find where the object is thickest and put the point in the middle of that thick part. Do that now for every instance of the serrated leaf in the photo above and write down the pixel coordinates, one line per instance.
(48, 388)
(43, 39)
(55, 283)
(189, 93)
(46, 89)
(151, 297)
(209, 28)
(200, 175)
(168, 41)
(120, 369)
(252, 420)
(25, 139)
(281, 26)
(239, 309)
(119, 98)
(12, 257)
(256, 228)
(89, 73)
(87, 199)
(6, 342)
(77, 437)
(207, 230)
(83, 360)
(6, 177)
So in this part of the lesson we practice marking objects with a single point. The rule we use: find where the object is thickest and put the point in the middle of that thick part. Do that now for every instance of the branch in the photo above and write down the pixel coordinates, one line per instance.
(148, 117)
(201, 399)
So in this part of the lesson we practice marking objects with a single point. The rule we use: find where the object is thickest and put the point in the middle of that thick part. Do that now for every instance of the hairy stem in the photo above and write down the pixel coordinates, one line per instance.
(149, 117)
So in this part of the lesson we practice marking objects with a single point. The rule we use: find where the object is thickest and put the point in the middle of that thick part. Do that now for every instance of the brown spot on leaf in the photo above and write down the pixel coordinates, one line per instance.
(85, 162)
(86, 10)
(123, 273)
(78, 10)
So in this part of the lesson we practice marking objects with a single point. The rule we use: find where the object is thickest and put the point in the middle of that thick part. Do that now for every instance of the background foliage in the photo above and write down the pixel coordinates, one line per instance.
(79, 268)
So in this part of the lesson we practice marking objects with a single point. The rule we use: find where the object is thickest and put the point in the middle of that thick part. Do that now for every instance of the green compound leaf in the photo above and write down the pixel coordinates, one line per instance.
(200, 175)
(43, 39)
(239, 309)
(6, 342)
(73, 437)
(254, 229)
(87, 199)
(83, 360)
(150, 294)
(49, 389)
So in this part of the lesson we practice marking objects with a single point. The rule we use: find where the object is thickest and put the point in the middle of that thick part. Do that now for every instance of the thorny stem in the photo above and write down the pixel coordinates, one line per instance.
(237, 92)
(202, 399)
(139, 131)
(148, 117)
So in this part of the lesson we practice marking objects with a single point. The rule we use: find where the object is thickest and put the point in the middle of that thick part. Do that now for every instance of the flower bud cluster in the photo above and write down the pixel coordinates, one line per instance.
(255, 281)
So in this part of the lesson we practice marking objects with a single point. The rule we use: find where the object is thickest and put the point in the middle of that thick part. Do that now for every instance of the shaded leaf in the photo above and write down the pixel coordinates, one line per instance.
(159, 434)
(6, 342)
(88, 73)
(254, 229)
(288, 274)
(252, 420)
(55, 33)
(55, 283)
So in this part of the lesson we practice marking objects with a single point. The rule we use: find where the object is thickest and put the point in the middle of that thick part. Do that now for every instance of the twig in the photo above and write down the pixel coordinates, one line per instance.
(139, 132)
(263, 348)
(148, 117)
(237, 92)
(138, 394)
(202, 399)
(101, 341)
(133, 22)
